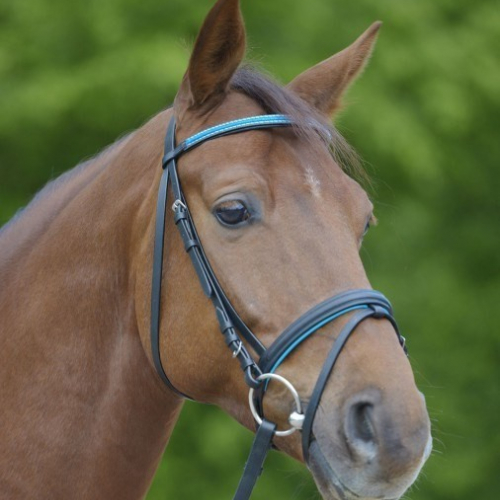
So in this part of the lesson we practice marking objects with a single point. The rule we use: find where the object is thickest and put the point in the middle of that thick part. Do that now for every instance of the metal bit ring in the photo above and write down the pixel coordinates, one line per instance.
(293, 391)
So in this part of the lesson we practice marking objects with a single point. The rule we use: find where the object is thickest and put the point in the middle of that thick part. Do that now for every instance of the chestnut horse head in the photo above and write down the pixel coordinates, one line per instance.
(281, 224)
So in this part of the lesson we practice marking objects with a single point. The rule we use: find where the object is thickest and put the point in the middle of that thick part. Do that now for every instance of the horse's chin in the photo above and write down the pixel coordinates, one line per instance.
(332, 487)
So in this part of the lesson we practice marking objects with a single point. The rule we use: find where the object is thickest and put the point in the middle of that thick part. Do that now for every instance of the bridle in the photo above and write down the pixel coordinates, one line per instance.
(363, 304)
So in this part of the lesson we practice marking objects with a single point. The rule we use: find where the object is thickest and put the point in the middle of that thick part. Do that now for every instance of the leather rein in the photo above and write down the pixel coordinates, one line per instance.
(363, 304)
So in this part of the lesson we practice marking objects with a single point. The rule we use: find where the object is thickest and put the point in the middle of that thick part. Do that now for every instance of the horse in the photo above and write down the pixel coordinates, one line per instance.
(85, 411)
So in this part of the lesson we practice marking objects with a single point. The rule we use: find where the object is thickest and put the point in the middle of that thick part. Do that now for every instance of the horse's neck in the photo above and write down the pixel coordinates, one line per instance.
(83, 414)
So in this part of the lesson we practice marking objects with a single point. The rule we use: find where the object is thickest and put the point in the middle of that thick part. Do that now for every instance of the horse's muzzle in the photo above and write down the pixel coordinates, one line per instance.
(374, 454)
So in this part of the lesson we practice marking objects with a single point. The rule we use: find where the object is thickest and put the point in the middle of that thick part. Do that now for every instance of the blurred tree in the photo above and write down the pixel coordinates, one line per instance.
(74, 76)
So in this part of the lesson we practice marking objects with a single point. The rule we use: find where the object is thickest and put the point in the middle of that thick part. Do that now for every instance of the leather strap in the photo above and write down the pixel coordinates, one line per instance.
(156, 282)
(233, 127)
(317, 317)
(324, 375)
(202, 262)
(253, 468)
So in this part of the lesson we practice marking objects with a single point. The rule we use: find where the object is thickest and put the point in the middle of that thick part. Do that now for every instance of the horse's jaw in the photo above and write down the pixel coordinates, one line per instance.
(332, 487)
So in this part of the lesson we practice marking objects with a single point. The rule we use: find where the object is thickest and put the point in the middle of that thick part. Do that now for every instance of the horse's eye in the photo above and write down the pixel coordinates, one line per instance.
(367, 227)
(232, 213)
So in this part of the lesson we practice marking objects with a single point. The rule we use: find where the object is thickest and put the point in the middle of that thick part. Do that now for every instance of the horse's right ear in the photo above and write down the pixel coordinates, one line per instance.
(218, 51)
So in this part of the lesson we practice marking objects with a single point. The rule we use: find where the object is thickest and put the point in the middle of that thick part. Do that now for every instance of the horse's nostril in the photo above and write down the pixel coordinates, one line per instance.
(362, 422)
(360, 431)
(384, 436)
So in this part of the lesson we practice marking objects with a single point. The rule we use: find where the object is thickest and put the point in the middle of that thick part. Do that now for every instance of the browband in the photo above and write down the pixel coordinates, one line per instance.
(227, 128)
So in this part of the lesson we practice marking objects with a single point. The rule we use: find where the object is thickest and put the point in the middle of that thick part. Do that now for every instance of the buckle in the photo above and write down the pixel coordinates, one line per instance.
(178, 203)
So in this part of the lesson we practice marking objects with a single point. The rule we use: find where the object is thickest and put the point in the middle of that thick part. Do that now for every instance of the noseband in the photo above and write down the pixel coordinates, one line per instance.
(363, 304)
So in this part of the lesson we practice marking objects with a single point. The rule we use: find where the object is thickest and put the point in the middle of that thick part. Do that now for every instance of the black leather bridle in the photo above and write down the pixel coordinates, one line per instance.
(363, 304)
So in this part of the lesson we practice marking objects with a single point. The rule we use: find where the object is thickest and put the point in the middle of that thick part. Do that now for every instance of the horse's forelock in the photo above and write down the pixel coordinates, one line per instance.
(276, 99)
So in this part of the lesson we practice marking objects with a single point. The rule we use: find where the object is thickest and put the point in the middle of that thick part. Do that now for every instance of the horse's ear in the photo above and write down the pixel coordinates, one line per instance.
(218, 51)
(323, 85)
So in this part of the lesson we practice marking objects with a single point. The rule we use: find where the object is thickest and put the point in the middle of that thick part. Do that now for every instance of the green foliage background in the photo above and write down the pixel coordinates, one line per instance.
(75, 75)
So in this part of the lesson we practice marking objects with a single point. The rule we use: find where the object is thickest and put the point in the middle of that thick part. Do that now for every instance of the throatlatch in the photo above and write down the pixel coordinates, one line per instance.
(363, 304)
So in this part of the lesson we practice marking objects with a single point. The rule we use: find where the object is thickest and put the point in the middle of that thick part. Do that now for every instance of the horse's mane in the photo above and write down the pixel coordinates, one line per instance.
(274, 98)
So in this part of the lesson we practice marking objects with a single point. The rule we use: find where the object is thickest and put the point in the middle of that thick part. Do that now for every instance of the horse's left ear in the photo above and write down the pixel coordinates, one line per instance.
(217, 53)
(323, 85)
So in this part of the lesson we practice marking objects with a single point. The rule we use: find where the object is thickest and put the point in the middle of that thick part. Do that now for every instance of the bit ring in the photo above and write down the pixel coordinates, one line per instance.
(293, 391)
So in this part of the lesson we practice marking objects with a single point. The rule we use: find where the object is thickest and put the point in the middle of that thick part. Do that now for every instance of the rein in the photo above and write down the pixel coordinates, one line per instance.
(363, 304)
